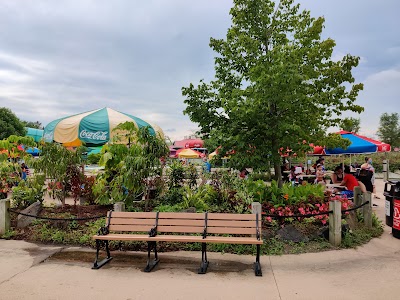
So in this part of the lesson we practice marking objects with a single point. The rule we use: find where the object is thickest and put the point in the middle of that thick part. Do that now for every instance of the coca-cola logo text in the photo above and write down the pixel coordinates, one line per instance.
(98, 135)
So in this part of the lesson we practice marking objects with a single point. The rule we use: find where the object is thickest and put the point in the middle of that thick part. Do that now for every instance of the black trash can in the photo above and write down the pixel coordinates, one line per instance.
(396, 213)
(390, 188)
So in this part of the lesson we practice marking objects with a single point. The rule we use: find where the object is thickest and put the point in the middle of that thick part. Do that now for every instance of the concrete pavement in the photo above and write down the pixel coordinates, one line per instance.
(30, 271)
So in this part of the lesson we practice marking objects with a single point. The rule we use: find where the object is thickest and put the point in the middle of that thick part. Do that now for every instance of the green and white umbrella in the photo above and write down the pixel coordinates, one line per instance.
(93, 127)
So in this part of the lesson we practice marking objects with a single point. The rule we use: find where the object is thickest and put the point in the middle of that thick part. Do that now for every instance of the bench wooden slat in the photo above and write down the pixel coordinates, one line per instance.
(233, 240)
(190, 216)
(181, 229)
(230, 223)
(132, 228)
(230, 230)
(178, 238)
(222, 216)
(181, 222)
(125, 221)
(122, 237)
(135, 215)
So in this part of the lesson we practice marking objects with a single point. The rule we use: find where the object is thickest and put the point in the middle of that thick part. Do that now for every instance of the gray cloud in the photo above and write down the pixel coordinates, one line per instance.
(63, 57)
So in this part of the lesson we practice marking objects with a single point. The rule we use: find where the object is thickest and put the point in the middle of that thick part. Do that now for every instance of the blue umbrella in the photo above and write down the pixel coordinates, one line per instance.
(33, 151)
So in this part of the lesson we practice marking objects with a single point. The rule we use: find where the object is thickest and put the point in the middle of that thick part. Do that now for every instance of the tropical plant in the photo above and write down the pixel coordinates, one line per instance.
(176, 175)
(28, 191)
(62, 167)
(128, 167)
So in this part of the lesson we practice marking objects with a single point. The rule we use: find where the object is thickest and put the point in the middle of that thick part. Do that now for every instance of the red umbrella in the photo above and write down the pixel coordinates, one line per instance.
(380, 147)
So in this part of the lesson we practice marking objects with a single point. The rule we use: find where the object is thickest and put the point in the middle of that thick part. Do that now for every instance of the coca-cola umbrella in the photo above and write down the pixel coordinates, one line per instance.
(92, 128)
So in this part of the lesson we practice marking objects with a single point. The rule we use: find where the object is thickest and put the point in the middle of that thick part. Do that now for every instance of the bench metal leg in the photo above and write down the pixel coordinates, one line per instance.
(257, 265)
(204, 261)
(97, 264)
(150, 265)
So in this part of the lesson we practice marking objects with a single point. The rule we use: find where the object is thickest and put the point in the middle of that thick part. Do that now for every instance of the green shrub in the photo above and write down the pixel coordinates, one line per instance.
(94, 158)
(28, 192)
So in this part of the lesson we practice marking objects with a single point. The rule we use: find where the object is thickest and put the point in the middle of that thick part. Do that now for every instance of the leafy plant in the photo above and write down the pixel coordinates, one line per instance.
(29, 191)
(176, 175)
(62, 167)
(128, 168)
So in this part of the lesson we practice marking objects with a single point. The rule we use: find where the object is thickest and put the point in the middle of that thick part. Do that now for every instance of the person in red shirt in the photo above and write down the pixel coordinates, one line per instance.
(349, 181)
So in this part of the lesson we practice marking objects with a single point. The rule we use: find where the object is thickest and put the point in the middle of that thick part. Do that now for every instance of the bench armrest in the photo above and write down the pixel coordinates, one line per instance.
(103, 230)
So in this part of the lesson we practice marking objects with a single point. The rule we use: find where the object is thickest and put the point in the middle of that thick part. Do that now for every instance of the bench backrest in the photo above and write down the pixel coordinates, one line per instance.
(217, 223)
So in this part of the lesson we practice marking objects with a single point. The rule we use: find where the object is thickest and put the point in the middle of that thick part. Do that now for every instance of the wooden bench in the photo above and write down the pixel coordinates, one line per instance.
(153, 227)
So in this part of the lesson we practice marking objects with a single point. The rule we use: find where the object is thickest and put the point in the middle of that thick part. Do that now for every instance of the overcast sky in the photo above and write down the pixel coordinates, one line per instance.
(64, 57)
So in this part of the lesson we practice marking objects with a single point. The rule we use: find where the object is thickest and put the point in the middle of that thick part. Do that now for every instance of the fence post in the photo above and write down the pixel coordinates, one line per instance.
(367, 210)
(357, 196)
(4, 216)
(256, 208)
(119, 206)
(385, 169)
(335, 223)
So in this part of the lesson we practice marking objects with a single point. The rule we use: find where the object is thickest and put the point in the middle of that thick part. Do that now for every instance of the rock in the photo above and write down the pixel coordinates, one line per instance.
(190, 210)
(352, 220)
(34, 209)
(325, 232)
(290, 233)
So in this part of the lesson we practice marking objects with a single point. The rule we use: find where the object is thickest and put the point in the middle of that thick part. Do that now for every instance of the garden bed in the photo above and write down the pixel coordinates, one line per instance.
(79, 233)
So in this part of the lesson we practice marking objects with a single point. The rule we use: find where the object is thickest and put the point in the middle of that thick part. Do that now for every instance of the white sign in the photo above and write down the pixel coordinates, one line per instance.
(387, 208)
(98, 135)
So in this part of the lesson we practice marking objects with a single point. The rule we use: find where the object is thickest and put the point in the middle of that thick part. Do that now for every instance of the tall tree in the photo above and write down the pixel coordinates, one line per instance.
(10, 124)
(389, 129)
(350, 124)
(275, 85)
(30, 124)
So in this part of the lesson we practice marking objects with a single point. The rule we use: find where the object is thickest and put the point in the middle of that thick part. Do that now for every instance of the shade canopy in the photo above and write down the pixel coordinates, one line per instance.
(36, 134)
(188, 153)
(212, 154)
(359, 144)
(92, 128)
(33, 151)
(188, 143)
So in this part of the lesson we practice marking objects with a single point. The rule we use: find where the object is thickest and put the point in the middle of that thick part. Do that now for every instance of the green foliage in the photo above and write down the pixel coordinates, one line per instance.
(129, 169)
(350, 124)
(275, 85)
(389, 129)
(30, 124)
(28, 191)
(192, 176)
(176, 175)
(62, 166)
(8, 235)
(196, 198)
(10, 124)
(94, 158)
(9, 175)
(285, 195)
(172, 196)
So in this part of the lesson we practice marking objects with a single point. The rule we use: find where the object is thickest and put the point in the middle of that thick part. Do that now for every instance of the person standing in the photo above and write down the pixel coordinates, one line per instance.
(24, 171)
(368, 166)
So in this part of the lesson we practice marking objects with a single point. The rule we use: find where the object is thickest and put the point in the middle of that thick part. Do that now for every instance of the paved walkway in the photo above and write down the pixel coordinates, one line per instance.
(30, 271)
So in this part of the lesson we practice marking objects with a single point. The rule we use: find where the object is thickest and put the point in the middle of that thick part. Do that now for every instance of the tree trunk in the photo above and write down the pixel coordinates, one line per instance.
(278, 174)
(277, 162)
